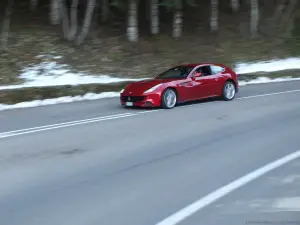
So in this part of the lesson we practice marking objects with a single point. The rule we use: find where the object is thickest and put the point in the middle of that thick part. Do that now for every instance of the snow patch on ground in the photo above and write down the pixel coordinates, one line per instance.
(264, 80)
(268, 66)
(49, 72)
(66, 99)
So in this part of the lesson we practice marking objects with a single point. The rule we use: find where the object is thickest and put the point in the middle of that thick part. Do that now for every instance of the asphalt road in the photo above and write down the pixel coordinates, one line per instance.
(140, 168)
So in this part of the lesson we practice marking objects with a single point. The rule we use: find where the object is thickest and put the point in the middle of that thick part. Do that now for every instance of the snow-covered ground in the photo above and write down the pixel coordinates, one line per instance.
(264, 80)
(51, 73)
(268, 66)
(65, 99)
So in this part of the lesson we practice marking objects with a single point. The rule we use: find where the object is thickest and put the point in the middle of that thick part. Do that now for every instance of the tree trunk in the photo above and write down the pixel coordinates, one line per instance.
(65, 20)
(73, 21)
(287, 22)
(235, 5)
(132, 27)
(87, 22)
(55, 12)
(6, 26)
(154, 17)
(277, 15)
(177, 20)
(33, 5)
(214, 19)
(254, 18)
(105, 10)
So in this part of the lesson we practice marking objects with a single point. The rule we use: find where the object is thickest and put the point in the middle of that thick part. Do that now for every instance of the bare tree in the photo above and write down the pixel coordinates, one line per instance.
(64, 16)
(154, 16)
(87, 22)
(254, 20)
(214, 18)
(6, 25)
(177, 19)
(235, 5)
(132, 27)
(105, 10)
(55, 12)
(277, 14)
(287, 21)
(70, 23)
(33, 5)
(73, 21)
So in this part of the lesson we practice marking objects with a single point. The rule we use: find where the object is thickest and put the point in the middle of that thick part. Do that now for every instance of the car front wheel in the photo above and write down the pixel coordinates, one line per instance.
(168, 99)
(229, 91)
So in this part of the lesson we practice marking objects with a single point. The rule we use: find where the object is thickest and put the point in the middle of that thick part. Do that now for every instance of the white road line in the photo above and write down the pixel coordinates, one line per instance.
(111, 117)
(66, 123)
(270, 94)
(61, 125)
(150, 111)
(223, 191)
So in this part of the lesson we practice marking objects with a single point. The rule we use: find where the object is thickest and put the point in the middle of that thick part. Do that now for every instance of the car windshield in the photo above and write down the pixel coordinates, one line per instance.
(176, 72)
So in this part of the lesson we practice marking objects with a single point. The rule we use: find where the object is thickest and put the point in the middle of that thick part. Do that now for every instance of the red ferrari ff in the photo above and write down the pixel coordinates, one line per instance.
(182, 83)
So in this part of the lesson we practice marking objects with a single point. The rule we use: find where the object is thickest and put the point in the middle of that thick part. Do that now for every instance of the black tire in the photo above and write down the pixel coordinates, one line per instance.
(164, 102)
(225, 95)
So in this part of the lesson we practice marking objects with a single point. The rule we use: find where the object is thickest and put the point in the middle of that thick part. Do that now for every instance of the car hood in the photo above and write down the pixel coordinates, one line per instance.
(139, 87)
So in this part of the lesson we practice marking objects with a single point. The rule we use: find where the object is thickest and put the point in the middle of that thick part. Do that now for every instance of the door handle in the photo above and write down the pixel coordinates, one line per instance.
(183, 84)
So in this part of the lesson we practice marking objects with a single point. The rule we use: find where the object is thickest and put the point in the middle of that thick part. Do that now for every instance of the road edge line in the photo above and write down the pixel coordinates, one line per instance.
(189, 210)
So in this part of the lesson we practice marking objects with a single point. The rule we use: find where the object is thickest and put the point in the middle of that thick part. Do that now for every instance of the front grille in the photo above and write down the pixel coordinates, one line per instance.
(133, 98)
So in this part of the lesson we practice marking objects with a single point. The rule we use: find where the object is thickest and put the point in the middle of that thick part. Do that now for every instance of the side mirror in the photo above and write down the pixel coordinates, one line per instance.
(197, 74)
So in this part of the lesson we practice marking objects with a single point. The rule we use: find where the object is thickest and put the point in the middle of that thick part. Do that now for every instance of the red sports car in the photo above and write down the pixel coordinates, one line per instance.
(182, 83)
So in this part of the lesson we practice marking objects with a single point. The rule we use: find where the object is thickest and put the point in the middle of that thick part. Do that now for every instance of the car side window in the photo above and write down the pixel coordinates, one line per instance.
(205, 70)
(216, 69)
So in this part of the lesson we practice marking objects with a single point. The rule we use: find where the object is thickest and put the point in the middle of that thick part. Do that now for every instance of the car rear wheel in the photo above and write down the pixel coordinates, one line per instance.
(168, 99)
(229, 91)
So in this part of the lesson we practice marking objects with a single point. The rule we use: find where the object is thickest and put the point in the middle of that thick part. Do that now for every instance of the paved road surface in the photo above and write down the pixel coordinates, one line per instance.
(142, 168)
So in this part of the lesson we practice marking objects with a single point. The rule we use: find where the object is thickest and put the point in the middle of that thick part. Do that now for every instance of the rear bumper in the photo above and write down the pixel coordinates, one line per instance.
(151, 100)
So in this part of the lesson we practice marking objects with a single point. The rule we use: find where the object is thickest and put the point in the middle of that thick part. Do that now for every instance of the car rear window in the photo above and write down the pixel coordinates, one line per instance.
(217, 69)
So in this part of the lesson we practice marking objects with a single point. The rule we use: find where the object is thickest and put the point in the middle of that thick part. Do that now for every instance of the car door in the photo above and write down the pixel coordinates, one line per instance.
(204, 86)
(216, 79)
(204, 83)
(186, 89)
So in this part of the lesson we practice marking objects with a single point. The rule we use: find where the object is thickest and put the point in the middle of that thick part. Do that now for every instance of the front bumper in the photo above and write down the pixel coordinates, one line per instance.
(150, 100)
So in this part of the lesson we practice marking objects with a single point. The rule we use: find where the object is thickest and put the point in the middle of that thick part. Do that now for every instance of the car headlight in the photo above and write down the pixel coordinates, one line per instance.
(152, 89)
(122, 91)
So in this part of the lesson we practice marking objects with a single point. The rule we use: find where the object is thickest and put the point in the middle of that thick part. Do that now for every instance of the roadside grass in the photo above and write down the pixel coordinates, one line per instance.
(30, 94)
